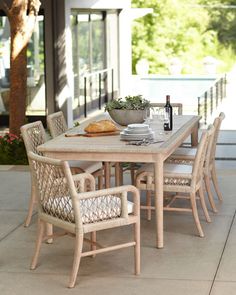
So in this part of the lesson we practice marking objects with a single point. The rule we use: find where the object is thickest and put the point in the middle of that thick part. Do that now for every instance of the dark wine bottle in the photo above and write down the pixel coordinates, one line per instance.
(168, 116)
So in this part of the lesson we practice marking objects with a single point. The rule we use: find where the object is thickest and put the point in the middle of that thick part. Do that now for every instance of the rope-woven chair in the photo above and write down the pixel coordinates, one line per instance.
(186, 155)
(132, 167)
(33, 135)
(65, 202)
(57, 125)
(185, 181)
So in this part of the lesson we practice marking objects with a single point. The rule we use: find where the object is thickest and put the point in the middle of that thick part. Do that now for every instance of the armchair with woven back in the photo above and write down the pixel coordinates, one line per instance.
(34, 135)
(71, 203)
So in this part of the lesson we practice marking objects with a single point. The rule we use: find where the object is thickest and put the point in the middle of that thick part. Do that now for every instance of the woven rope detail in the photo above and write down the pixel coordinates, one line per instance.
(36, 138)
(59, 126)
(55, 199)
(180, 161)
(101, 208)
(53, 191)
(177, 181)
(169, 181)
(92, 210)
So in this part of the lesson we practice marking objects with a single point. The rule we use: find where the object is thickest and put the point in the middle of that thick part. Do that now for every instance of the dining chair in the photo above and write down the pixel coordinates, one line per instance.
(132, 167)
(71, 203)
(57, 125)
(33, 135)
(180, 182)
(187, 154)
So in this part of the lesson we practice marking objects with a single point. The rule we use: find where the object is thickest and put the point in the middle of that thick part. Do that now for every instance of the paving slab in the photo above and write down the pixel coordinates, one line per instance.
(224, 288)
(187, 264)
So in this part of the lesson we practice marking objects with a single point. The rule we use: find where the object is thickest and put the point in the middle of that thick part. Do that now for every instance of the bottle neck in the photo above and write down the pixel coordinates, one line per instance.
(167, 99)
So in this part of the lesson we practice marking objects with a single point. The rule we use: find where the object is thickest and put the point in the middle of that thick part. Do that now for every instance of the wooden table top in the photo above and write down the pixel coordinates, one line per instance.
(89, 147)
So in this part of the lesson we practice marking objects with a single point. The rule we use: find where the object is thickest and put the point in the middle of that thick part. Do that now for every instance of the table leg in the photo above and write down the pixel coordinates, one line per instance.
(194, 136)
(107, 173)
(158, 180)
(118, 174)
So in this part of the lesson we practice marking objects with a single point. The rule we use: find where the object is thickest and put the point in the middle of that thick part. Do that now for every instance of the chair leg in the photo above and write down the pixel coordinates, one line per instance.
(39, 239)
(93, 237)
(203, 204)
(132, 173)
(149, 203)
(100, 182)
(137, 248)
(31, 205)
(77, 258)
(209, 193)
(49, 231)
(195, 215)
(215, 182)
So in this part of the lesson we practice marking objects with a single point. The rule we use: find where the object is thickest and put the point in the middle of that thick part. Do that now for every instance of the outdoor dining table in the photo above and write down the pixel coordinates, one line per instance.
(112, 149)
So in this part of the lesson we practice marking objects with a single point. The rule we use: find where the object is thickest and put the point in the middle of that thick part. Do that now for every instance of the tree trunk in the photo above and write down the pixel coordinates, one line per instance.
(22, 16)
(18, 80)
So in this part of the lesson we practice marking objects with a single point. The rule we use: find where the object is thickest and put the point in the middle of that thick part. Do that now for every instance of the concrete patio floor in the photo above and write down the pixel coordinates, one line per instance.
(187, 264)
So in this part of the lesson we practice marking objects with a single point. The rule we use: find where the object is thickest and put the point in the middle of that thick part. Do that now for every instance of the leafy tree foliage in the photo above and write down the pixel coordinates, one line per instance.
(176, 28)
(223, 21)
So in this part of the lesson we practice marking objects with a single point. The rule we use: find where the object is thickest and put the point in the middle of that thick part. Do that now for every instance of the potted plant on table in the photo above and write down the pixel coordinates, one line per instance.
(128, 110)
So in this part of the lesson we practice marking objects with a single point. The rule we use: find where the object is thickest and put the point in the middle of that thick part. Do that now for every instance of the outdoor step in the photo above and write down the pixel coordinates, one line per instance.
(227, 136)
(226, 145)
(226, 152)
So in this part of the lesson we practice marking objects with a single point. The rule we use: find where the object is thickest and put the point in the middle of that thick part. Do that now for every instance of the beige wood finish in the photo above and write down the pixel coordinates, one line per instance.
(33, 135)
(112, 149)
(72, 204)
(186, 155)
(185, 181)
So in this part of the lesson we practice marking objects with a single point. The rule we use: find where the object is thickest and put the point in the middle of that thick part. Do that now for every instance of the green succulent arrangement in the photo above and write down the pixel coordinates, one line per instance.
(136, 102)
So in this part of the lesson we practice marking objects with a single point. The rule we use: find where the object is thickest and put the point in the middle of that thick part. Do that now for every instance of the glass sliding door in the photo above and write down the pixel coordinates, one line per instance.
(98, 45)
(92, 75)
(36, 95)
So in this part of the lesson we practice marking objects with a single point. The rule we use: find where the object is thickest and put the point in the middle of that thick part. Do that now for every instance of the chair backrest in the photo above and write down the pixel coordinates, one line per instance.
(56, 189)
(209, 147)
(217, 125)
(200, 158)
(65, 200)
(56, 124)
(177, 107)
(33, 135)
(52, 188)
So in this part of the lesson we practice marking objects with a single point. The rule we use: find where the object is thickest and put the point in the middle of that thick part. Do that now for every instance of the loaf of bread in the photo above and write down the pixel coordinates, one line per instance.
(101, 126)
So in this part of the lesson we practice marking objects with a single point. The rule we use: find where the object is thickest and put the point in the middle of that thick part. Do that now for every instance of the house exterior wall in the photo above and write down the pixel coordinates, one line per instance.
(58, 49)
(124, 46)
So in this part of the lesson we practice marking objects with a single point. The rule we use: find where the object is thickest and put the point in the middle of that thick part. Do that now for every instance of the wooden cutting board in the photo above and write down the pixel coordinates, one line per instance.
(93, 134)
